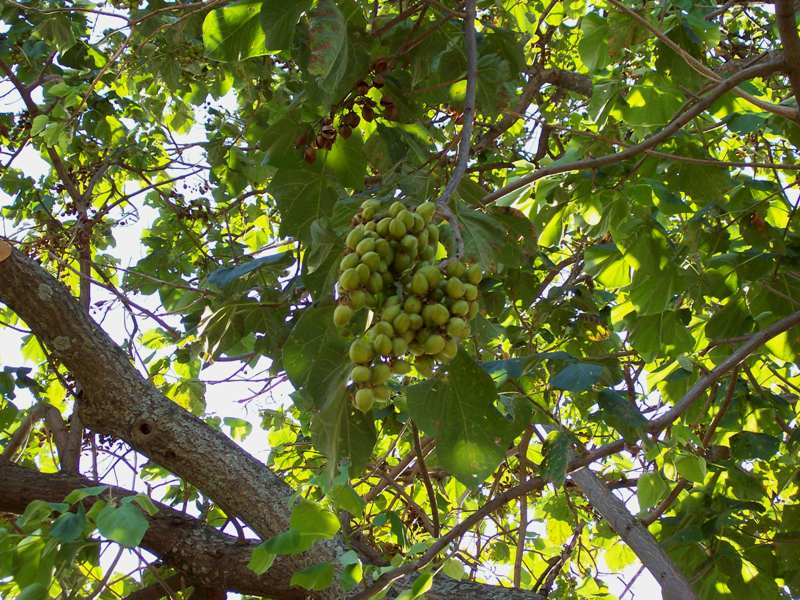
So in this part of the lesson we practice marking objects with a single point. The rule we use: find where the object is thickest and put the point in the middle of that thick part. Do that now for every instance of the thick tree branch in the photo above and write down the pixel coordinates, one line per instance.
(671, 129)
(787, 27)
(673, 584)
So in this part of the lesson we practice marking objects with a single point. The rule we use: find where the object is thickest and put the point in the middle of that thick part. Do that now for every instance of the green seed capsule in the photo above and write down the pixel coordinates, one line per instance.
(382, 393)
(427, 253)
(358, 298)
(349, 262)
(474, 274)
(434, 344)
(455, 288)
(368, 212)
(432, 274)
(372, 259)
(399, 346)
(360, 374)
(354, 237)
(401, 323)
(364, 399)
(401, 262)
(408, 336)
(433, 234)
(424, 366)
(349, 280)
(419, 285)
(460, 307)
(383, 327)
(370, 226)
(416, 348)
(450, 349)
(457, 327)
(426, 210)
(407, 217)
(396, 207)
(455, 268)
(380, 374)
(360, 351)
(435, 314)
(365, 245)
(393, 300)
(400, 367)
(412, 305)
(390, 312)
(397, 229)
(418, 224)
(382, 344)
(363, 273)
(342, 315)
(470, 292)
(383, 248)
(473, 310)
(375, 283)
(382, 228)
(409, 243)
(422, 238)
(416, 322)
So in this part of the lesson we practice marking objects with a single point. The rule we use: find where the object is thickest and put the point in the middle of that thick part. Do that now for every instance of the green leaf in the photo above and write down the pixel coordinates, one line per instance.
(346, 498)
(145, 503)
(747, 445)
(458, 412)
(224, 277)
(593, 46)
(556, 458)
(240, 428)
(327, 38)
(691, 467)
(577, 377)
(302, 195)
(660, 335)
(421, 585)
(69, 526)
(315, 577)
(353, 570)
(124, 524)
(619, 556)
(279, 21)
(34, 564)
(310, 518)
(622, 415)
(650, 488)
(260, 559)
(653, 292)
(233, 32)
(35, 514)
(288, 542)
(315, 356)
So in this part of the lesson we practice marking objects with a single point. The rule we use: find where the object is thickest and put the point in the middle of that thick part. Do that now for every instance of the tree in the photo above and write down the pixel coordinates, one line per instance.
(523, 276)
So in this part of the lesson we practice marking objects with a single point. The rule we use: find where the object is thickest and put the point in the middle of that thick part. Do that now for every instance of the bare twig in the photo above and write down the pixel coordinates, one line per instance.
(787, 27)
(426, 479)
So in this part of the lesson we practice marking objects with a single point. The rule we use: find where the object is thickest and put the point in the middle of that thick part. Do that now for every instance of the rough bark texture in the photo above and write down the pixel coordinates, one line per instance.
(673, 584)
(787, 27)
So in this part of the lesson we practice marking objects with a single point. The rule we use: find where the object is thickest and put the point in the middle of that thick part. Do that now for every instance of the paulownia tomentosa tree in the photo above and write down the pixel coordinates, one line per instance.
(598, 199)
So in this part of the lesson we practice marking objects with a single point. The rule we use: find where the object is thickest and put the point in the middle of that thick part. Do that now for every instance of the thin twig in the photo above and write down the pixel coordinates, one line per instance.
(426, 479)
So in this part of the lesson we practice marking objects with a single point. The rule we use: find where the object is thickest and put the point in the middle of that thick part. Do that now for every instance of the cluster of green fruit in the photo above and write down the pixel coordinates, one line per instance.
(420, 308)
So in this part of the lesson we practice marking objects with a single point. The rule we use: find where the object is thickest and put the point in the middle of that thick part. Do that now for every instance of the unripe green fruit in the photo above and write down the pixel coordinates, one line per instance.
(409, 243)
(427, 253)
(455, 288)
(408, 336)
(419, 285)
(400, 367)
(450, 349)
(407, 217)
(349, 280)
(361, 374)
(434, 344)
(382, 228)
(358, 299)
(349, 262)
(383, 327)
(416, 348)
(369, 226)
(436, 314)
(455, 268)
(382, 266)
(432, 274)
(364, 399)
(388, 279)
(393, 300)
(433, 234)
(474, 274)
(371, 203)
(381, 392)
(368, 213)
(399, 346)
(460, 307)
(372, 259)
(473, 310)
(396, 207)
(401, 262)
(457, 327)
(426, 210)
(412, 305)
(354, 237)
(375, 283)
(365, 245)
(342, 315)
(390, 312)
(423, 237)
(363, 273)
(360, 351)
(397, 229)
(424, 366)
(422, 335)
(380, 374)
(438, 294)
(416, 321)
(418, 224)
(382, 344)
(383, 248)
(470, 292)
(401, 323)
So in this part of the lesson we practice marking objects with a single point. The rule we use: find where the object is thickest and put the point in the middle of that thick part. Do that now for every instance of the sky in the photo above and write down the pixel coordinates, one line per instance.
(222, 399)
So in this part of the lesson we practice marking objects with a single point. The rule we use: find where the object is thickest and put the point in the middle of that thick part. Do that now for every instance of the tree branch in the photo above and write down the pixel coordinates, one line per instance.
(671, 129)
(787, 27)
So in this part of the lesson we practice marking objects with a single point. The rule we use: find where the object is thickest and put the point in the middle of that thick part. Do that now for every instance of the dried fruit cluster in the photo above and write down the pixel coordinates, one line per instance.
(419, 307)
